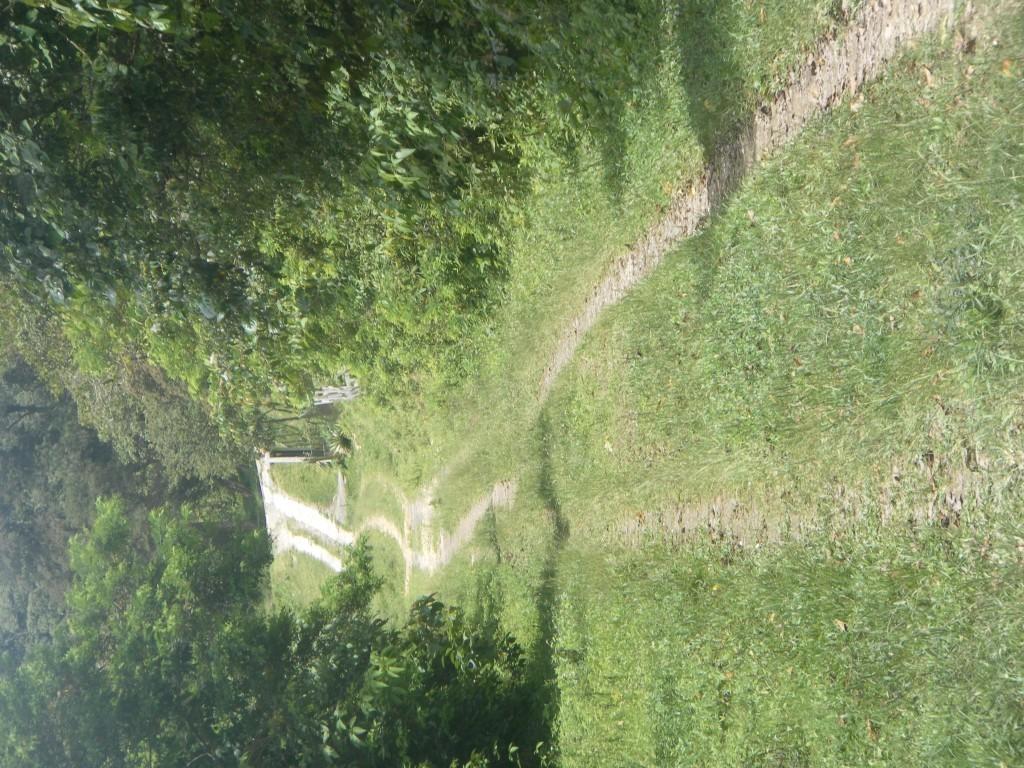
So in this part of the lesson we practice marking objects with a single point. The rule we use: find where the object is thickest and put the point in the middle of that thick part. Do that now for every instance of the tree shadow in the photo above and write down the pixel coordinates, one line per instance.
(705, 34)
(543, 671)
(701, 35)
(538, 711)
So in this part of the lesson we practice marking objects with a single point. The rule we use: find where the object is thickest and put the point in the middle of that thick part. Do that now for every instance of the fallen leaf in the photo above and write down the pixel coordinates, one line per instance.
(1007, 68)
(858, 330)
(929, 78)
(847, 261)
(850, 141)
(915, 295)
(857, 103)
(835, 235)
(840, 625)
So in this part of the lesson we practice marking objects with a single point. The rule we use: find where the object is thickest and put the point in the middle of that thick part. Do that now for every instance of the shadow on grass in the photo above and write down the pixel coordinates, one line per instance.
(543, 672)
(622, 62)
(538, 710)
(705, 32)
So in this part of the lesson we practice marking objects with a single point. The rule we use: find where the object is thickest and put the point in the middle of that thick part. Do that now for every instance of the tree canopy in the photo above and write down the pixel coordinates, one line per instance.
(166, 659)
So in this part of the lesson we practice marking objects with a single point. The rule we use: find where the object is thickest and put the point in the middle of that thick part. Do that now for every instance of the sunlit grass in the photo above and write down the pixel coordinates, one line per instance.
(315, 484)
(582, 213)
(842, 346)
(855, 308)
(880, 649)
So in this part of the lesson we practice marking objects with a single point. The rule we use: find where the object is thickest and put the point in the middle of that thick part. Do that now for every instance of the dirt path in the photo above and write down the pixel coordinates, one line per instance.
(839, 68)
(297, 526)
(436, 551)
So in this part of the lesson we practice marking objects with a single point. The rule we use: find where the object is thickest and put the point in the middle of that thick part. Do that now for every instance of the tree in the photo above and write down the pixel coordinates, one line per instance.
(51, 472)
(167, 659)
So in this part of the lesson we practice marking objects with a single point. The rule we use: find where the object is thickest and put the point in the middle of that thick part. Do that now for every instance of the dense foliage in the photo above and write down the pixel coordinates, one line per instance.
(165, 660)
(52, 470)
(259, 195)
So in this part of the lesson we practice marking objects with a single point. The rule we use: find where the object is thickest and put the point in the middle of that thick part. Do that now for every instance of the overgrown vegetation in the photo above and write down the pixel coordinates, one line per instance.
(52, 469)
(206, 232)
(164, 661)
(770, 515)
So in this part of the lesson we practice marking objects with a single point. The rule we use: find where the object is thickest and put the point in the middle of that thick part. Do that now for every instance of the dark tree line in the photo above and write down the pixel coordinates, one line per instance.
(167, 659)
(52, 470)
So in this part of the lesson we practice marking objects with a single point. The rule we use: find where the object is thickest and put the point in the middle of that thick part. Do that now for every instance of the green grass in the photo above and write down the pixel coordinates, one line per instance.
(373, 494)
(315, 484)
(388, 563)
(842, 348)
(875, 649)
(503, 571)
(296, 580)
(710, 63)
(856, 307)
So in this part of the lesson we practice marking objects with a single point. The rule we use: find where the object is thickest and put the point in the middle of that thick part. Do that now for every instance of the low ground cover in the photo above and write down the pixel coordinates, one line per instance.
(315, 484)
(710, 65)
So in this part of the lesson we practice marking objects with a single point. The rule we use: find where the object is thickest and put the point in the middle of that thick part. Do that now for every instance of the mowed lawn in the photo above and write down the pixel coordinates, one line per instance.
(852, 322)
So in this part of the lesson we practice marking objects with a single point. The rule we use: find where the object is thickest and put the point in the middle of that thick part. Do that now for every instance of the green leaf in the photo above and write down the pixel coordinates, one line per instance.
(403, 153)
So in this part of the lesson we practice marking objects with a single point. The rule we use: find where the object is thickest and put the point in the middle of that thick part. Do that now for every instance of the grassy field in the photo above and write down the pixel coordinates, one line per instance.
(771, 513)
(847, 333)
(710, 63)
(873, 649)
(315, 484)
(840, 349)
